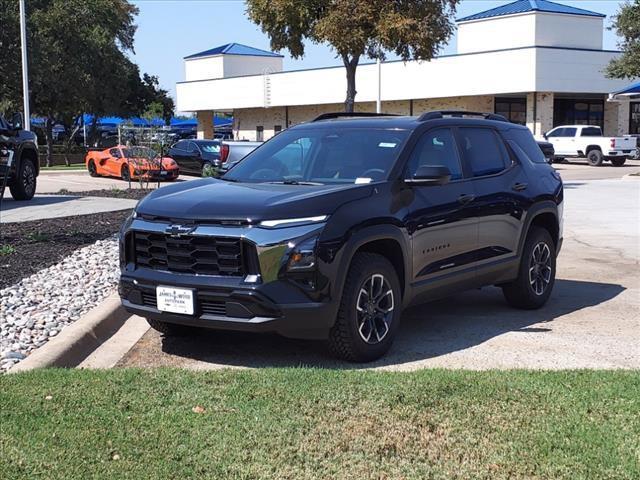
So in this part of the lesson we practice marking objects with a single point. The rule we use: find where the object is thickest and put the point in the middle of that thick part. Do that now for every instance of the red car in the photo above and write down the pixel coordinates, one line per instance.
(131, 163)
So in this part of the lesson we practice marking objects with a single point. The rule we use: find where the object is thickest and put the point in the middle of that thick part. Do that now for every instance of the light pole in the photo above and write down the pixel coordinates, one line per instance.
(25, 68)
(379, 99)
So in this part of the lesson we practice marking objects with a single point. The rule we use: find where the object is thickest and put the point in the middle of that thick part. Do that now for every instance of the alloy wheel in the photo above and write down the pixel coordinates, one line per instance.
(29, 179)
(540, 268)
(374, 308)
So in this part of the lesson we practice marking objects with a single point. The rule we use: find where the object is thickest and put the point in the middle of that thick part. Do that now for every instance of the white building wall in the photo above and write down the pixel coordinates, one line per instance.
(573, 31)
(239, 65)
(481, 35)
(203, 68)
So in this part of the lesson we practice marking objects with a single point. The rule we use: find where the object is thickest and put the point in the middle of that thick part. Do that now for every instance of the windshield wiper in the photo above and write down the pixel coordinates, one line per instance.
(296, 182)
(228, 179)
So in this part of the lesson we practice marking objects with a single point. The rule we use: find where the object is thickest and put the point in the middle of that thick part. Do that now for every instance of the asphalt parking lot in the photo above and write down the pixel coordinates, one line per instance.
(591, 321)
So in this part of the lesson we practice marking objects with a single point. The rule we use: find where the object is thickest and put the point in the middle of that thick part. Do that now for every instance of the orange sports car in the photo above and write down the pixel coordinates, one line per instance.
(131, 163)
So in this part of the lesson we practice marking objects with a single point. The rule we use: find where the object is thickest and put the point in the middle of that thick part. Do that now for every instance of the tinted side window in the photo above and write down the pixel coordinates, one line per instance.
(436, 148)
(481, 147)
(558, 132)
(114, 152)
(180, 145)
(527, 143)
(570, 132)
(591, 132)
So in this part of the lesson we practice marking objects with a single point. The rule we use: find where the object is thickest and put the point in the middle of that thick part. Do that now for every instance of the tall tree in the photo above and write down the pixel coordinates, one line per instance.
(355, 28)
(627, 25)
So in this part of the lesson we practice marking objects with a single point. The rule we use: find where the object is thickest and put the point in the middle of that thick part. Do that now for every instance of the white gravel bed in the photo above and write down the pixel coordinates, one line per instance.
(39, 307)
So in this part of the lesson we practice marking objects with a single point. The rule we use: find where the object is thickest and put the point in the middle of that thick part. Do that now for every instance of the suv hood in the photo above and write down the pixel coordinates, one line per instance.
(211, 199)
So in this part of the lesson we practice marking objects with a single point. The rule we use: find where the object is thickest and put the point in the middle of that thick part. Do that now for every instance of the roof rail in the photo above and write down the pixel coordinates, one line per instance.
(329, 116)
(460, 113)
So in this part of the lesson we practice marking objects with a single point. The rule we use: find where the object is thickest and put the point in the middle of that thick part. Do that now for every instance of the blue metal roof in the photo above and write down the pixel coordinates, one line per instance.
(234, 49)
(523, 6)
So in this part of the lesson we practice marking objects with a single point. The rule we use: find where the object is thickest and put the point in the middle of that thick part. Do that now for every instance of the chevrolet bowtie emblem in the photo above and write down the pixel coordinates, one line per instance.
(179, 230)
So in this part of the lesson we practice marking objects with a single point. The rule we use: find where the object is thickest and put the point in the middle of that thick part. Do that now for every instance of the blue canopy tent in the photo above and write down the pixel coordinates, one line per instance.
(631, 91)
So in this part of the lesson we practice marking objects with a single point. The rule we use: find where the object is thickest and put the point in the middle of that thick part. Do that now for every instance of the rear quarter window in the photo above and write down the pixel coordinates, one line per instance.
(591, 132)
(527, 143)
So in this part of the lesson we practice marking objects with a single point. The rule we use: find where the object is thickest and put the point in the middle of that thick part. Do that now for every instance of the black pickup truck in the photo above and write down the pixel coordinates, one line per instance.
(19, 164)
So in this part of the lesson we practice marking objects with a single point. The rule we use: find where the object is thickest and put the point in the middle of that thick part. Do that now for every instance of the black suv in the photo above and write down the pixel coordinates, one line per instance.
(19, 164)
(331, 228)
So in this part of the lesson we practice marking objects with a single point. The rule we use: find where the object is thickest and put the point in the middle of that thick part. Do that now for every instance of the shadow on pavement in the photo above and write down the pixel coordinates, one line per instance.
(428, 331)
(37, 201)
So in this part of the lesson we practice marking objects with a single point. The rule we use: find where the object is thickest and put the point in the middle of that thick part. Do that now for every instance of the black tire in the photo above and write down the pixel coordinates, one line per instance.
(93, 171)
(595, 158)
(169, 329)
(618, 162)
(347, 336)
(125, 173)
(523, 292)
(24, 184)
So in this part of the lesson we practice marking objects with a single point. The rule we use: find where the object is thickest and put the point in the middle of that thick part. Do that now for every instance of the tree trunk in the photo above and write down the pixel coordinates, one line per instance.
(350, 65)
(72, 136)
(48, 134)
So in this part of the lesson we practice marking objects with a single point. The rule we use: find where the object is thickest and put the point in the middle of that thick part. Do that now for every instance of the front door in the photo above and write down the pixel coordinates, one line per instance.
(441, 219)
(564, 140)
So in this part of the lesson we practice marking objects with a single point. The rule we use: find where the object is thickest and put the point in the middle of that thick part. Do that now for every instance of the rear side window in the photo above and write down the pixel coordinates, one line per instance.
(591, 132)
(527, 143)
(483, 150)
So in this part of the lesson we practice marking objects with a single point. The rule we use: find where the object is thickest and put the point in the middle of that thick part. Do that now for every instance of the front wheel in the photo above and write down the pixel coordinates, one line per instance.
(537, 272)
(125, 173)
(618, 162)
(595, 158)
(23, 186)
(370, 309)
(93, 171)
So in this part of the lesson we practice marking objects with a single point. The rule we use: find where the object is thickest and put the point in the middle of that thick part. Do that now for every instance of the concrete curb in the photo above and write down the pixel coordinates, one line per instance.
(82, 172)
(78, 340)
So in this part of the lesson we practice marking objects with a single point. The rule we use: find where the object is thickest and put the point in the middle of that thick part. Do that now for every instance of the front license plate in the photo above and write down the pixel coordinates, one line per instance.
(175, 300)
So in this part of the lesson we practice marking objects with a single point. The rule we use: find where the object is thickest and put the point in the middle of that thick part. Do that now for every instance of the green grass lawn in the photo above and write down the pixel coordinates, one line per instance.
(307, 423)
(73, 166)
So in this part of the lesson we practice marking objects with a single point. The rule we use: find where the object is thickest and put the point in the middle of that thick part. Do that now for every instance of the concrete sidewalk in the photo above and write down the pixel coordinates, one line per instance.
(54, 206)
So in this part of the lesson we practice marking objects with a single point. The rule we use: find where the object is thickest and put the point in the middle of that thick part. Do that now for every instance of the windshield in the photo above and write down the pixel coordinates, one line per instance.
(323, 155)
(209, 147)
(139, 152)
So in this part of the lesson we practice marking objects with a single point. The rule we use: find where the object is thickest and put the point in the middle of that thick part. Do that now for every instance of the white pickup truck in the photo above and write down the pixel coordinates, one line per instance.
(588, 141)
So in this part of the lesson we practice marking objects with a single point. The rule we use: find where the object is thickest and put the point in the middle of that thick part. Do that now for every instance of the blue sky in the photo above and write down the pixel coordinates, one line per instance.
(168, 30)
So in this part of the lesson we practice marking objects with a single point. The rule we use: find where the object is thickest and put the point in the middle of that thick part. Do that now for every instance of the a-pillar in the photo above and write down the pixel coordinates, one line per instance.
(205, 124)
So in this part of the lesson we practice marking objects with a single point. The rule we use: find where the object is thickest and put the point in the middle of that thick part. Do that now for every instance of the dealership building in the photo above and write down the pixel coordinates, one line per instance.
(539, 63)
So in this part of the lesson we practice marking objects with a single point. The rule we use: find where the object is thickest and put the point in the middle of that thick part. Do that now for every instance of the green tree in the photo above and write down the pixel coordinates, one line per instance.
(355, 28)
(627, 25)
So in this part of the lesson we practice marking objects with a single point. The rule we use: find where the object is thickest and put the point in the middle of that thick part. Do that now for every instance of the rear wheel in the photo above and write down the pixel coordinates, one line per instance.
(169, 329)
(23, 186)
(618, 162)
(93, 171)
(537, 272)
(595, 158)
(125, 173)
(370, 309)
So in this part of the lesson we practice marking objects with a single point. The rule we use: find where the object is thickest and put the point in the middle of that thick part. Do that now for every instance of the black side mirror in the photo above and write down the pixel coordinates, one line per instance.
(430, 175)
(17, 121)
(544, 135)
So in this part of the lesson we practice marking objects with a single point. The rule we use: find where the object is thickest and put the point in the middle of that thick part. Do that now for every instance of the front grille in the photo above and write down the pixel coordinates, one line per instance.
(189, 254)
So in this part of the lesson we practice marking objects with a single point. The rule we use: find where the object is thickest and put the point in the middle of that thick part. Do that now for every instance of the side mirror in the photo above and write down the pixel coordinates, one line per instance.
(544, 135)
(17, 121)
(430, 175)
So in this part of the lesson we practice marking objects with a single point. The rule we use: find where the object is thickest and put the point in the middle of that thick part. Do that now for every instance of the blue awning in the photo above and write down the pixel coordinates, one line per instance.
(633, 89)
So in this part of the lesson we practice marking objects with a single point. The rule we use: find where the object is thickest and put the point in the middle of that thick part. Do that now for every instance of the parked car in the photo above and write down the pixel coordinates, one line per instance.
(19, 165)
(371, 215)
(574, 141)
(547, 150)
(234, 151)
(196, 156)
(131, 163)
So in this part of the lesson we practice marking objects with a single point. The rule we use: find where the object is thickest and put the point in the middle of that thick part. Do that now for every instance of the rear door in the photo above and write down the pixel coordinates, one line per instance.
(501, 196)
(441, 219)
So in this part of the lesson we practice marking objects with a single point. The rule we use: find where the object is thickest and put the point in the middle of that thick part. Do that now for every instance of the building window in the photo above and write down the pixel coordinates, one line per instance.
(634, 118)
(277, 129)
(578, 112)
(514, 109)
(259, 133)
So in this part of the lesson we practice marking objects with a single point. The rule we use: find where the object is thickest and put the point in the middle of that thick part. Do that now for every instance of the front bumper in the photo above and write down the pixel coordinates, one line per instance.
(263, 299)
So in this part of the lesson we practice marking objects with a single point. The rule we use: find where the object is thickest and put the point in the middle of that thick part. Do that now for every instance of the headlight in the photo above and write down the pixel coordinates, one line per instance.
(302, 257)
(293, 222)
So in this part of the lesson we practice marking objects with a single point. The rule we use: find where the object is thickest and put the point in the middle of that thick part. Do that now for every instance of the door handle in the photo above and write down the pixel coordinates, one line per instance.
(466, 198)
(518, 187)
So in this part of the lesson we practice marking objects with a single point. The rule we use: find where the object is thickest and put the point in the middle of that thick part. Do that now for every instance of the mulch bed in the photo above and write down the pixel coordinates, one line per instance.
(27, 247)
(135, 193)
